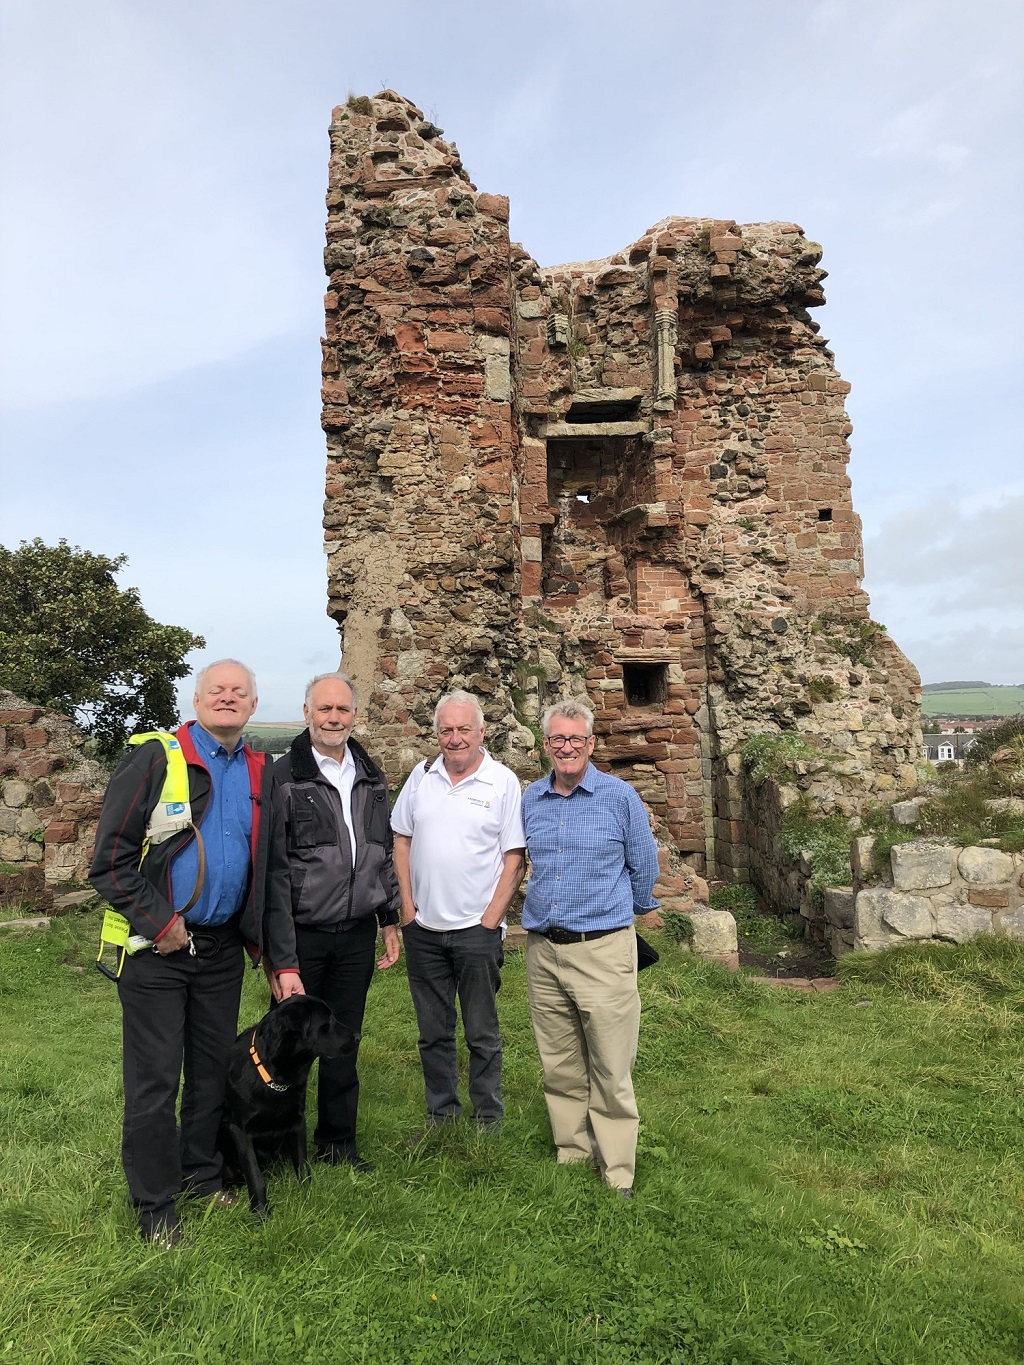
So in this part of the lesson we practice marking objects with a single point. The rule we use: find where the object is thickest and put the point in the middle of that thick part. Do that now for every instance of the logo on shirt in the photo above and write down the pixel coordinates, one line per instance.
(476, 801)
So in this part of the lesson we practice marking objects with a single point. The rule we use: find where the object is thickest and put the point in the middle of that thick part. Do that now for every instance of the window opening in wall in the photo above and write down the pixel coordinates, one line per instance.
(824, 513)
(583, 495)
(620, 410)
(644, 684)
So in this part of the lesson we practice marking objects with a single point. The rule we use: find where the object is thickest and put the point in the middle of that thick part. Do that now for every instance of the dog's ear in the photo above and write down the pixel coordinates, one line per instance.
(318, 1019)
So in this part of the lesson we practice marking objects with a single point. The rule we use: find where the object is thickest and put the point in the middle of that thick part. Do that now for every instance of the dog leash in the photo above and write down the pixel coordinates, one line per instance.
(264, 1074)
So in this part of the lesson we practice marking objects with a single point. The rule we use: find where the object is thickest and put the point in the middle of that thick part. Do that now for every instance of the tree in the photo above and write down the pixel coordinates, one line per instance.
(70, 638)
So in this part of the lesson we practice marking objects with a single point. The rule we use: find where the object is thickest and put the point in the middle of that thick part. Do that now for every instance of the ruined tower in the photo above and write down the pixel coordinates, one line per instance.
(623, 479)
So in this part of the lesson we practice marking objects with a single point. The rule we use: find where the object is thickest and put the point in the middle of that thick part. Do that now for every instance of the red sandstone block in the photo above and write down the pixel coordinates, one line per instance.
(493, 205)
(33, 738)
(998, 898)
(694, 845)
(409, 336)
(61, 832)
(448, 341)
(531, 579)
(20, 715)
(494, 320)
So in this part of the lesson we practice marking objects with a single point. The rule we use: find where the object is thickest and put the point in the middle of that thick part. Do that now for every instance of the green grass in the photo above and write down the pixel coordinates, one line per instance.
(830, 1178)
(974, 702)
(756, 932)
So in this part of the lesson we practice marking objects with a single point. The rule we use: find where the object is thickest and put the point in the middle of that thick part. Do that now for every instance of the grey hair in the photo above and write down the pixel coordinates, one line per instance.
(458, 698)
(332, 677)
(568, 710)
(217, 663)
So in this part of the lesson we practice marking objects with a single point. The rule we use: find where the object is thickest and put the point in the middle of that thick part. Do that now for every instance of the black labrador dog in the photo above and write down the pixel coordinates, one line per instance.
(265, 1105)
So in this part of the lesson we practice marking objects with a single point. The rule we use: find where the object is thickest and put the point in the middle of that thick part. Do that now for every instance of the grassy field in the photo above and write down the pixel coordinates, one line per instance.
(974, 701)
(831, 1178)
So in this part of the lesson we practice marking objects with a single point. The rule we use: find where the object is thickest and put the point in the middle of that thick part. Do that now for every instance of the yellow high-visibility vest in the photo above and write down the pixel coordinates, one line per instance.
(173, 810)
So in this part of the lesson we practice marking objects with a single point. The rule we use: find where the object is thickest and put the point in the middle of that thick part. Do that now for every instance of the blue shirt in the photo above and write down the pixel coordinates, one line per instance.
(226, 826)
(593, 857)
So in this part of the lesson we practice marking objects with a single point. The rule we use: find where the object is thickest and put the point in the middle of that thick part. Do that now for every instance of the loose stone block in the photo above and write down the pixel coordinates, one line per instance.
(910, 916)
(714, 932)
(1010, 924)
(862, 857)
(906, 813)
(958, 923)
(839, 906)
(880, 913)
(981, 866)
(15, 792)
(915, 867)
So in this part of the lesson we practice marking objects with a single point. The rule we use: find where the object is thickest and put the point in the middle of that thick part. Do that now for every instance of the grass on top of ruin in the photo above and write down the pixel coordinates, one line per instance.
(821, 1178)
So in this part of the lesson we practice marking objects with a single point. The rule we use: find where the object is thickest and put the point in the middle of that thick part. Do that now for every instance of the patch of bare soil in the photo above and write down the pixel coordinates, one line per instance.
(799, 958)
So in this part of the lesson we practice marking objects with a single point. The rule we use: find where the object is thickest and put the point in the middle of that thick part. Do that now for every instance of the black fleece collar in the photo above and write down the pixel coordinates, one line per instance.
(305, 767)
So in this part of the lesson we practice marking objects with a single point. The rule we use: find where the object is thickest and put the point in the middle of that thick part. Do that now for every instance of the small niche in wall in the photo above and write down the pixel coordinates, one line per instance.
(824, 513)
(644, 684)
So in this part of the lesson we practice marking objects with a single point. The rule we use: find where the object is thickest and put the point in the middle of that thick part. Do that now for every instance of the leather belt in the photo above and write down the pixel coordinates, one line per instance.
(558, 935)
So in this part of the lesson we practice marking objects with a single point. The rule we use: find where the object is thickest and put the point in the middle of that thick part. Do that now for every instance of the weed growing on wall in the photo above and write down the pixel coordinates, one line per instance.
(776, 756)
(823, 840)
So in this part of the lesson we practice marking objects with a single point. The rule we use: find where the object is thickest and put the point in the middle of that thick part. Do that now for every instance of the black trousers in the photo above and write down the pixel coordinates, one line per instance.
(180, 1015)
(338, 967)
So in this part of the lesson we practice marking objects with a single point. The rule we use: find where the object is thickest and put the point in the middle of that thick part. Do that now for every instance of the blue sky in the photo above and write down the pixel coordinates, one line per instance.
(163, 169)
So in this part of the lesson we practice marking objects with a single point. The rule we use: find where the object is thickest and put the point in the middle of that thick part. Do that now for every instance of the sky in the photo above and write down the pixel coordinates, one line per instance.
(162, 180)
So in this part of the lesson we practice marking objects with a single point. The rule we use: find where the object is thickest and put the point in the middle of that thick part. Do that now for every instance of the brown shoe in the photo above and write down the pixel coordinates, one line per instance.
(166, 1236)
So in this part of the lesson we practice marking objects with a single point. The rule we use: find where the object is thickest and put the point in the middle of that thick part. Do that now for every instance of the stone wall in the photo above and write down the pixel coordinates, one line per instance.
(932, 891)
(50, 798)
(623, 480)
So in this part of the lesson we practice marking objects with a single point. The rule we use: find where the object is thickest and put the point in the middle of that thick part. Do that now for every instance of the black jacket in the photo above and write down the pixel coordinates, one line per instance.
(326, 890)
(143, 895)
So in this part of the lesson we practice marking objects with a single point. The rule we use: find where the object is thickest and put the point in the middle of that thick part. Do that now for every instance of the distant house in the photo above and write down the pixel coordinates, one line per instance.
(948, 748)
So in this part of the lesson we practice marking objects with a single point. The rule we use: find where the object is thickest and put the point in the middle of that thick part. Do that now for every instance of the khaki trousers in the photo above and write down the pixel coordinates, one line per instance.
(585, 1010)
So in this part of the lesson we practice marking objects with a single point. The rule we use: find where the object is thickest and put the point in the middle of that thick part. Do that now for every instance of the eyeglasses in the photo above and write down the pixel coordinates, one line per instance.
(573, 741)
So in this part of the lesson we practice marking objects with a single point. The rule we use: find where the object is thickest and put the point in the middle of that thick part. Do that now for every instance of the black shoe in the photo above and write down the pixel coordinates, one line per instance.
(488, 1125)
(626, 1192)
(344, 1156)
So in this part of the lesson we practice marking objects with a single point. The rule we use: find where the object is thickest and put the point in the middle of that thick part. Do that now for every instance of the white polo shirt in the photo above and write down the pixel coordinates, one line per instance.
(459, 834)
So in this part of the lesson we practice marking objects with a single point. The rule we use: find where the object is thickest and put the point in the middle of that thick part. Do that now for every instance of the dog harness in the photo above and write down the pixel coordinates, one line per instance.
(262, 1071)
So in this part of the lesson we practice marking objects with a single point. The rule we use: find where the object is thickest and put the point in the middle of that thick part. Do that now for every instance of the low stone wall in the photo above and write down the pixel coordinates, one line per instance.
(938, 891)
(50, 798)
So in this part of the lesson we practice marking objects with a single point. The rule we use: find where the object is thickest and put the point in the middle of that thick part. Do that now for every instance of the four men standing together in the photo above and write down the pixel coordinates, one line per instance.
(307, 869)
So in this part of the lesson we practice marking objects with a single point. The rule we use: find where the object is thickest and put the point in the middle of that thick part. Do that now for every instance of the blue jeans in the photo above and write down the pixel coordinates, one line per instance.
(441, 964)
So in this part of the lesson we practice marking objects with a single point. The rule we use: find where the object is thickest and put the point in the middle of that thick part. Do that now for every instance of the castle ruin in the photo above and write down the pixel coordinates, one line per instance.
(622, 479)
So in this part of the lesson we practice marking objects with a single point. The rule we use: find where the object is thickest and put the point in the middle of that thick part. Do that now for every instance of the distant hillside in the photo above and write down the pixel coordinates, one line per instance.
(972, 700)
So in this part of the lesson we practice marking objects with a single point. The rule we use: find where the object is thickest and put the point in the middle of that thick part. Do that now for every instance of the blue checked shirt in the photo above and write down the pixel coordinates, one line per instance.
(593, 857)
(226, 826)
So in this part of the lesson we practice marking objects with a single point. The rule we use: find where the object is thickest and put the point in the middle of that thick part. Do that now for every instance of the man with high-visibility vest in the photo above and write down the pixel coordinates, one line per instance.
(197, 883)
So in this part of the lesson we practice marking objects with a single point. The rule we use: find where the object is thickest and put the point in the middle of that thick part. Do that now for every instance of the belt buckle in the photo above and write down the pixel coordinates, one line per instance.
(562, 936)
